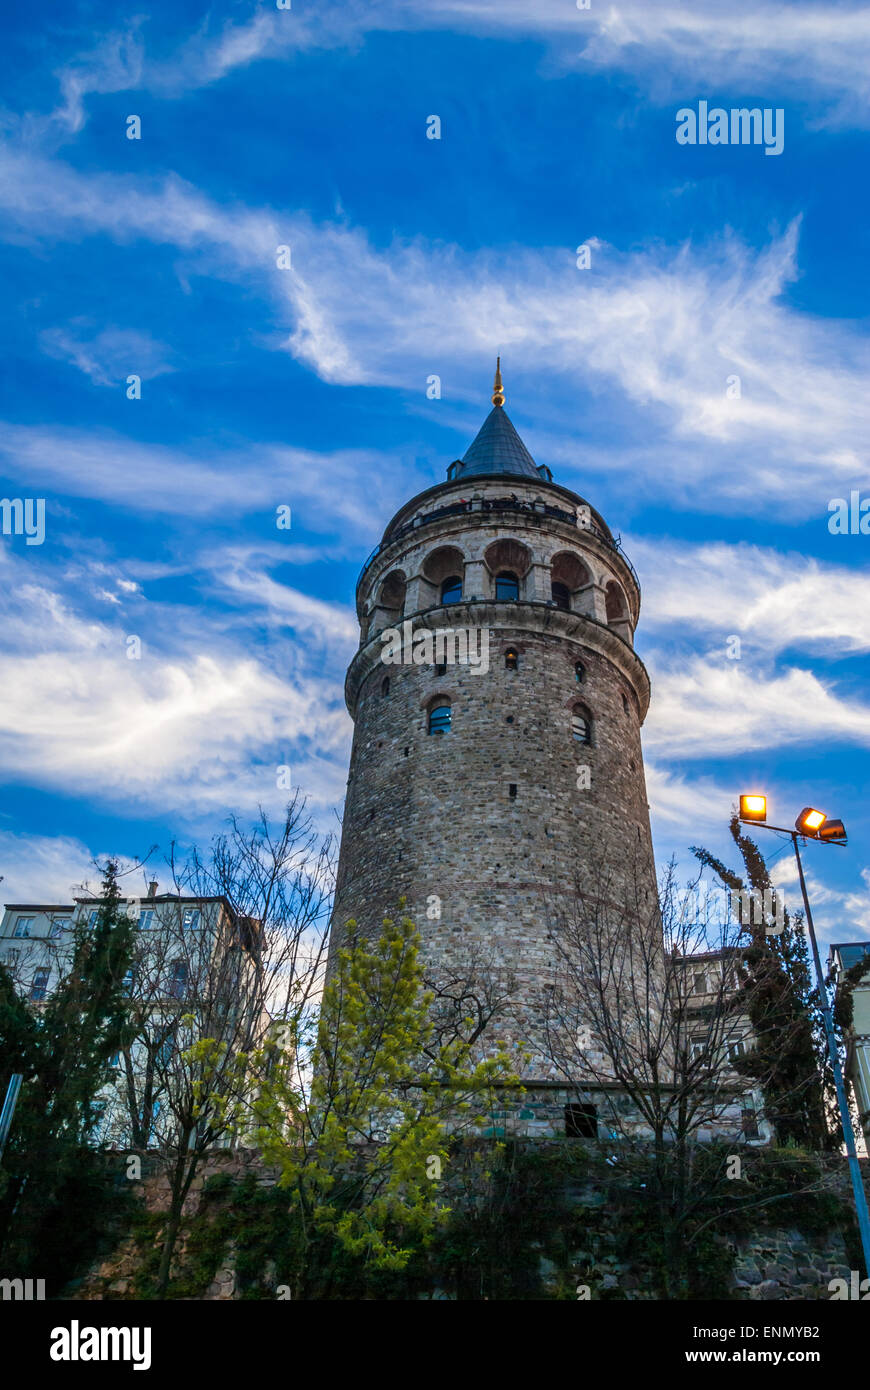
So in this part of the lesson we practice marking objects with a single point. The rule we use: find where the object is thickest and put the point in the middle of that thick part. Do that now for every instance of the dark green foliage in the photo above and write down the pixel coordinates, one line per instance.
(790, 1054)
(516, 1208)
(62, 1048)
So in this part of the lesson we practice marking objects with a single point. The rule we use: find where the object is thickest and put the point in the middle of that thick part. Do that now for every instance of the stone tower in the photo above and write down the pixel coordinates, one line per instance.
(482, 792)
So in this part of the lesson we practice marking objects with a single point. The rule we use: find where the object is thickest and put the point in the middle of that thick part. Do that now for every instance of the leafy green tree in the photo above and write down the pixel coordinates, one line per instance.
(789, 1058)
(62, 1048)
(362, 1138)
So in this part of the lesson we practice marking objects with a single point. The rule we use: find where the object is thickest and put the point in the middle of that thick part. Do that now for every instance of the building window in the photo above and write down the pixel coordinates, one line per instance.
(512, 790)
(439, 718)
(146, 919)
(451, 589)
(92, 916)
(178, 980)
(625, 704)
(581, 726)
(579, 672)
(699, 982)
(22, 926)
(127, 983)
(190, 917)
(581, 1121)
(511, 659)
(115, 1060)
(12, 958)
(561, 595)
(749, 1124)
(697, 1048)
(39, 983)
(385, 687)
(59, 926)
(507, 586)
(441, 668)
(736, 1048)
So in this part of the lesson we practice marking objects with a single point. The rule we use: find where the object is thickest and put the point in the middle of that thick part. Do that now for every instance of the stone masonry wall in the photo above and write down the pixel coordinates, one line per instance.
(433, 816)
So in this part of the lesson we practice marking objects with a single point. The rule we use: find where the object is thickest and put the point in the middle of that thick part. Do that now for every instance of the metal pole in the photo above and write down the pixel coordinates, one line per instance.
(845, 1118)
(9, 1108)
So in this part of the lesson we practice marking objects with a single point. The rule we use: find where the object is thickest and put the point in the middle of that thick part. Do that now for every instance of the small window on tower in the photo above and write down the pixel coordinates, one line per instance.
(581, 725)
(579, 672)
(451, 589)
(512, 791)
(385, 687)
(439, 719)
(507, 586)
(512, 659)
(561, 595)
(581, 1121)
(625, 704)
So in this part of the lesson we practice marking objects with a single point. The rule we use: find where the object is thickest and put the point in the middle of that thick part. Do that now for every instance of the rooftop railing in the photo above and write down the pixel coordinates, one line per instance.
(499, 504)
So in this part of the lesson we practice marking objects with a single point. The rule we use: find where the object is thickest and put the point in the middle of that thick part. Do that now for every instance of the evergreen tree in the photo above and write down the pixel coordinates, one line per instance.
(62, 1049)
(789, 1057)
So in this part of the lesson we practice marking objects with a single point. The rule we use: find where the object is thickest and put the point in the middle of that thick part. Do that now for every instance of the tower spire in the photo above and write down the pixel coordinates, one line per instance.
(497, 392)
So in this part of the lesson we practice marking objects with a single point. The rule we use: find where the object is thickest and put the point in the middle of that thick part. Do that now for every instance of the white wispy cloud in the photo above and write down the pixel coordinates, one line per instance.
(720, 709)
(805, 50)
(191, 726)
(771, 599)
(662, 329)
(43, 868)
(108, 356)
(327, 492)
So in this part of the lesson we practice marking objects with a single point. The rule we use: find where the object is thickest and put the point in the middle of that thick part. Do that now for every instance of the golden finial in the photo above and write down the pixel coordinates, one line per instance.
(497, 392)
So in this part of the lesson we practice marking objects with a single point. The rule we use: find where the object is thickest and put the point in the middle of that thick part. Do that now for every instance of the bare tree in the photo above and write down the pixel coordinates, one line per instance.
(648, 1016)
(238, 945)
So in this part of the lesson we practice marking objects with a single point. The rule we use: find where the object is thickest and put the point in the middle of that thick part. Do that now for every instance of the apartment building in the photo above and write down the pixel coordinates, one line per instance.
(194, 974)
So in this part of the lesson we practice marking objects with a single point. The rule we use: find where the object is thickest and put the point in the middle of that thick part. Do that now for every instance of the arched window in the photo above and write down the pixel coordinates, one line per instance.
(439, 718)
(614, 602)
(385, 686)
(561, 595)
(512, 659)
(581, 725)
(392, 595)
(579, 672)
(451, 589)
(507, 586)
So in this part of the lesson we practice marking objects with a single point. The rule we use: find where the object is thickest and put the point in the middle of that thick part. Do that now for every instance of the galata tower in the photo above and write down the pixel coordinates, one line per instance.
(497, 704)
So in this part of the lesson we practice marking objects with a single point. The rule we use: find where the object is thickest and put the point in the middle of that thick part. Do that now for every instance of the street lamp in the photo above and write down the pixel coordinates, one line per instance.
(815, 825)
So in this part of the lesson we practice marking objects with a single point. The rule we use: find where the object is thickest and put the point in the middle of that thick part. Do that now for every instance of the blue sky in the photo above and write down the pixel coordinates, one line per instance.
(306, 387)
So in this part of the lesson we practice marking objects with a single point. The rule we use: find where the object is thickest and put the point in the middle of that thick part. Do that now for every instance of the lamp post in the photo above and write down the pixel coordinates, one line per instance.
(815, 825)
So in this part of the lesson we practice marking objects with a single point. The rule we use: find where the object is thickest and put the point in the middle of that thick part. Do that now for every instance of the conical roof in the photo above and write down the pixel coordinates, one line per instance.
(497, 448)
